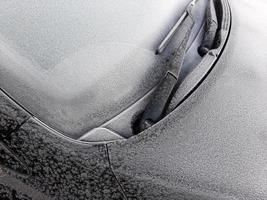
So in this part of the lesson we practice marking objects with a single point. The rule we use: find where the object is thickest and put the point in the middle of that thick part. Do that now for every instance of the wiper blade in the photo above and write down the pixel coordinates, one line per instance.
(172, 32)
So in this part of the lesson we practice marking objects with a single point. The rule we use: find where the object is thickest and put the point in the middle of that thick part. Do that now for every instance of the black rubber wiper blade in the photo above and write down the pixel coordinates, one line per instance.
(170, 35)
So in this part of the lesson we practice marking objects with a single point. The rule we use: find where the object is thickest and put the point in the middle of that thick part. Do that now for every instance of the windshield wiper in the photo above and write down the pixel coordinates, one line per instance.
(155, 109)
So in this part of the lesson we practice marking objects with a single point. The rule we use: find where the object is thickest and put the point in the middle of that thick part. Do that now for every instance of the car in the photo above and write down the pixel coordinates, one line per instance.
(148, 100)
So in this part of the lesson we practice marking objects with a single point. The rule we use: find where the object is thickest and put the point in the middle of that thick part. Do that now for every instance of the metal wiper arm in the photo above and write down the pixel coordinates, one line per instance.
(156, 107)
(211, 26)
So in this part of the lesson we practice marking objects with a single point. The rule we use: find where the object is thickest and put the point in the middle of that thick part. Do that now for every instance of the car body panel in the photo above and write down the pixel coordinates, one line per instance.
(212, 146)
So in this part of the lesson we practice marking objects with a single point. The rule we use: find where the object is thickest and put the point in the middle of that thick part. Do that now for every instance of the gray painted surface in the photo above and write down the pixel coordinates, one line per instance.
(8, 193)
(61, 169)
(49, 164)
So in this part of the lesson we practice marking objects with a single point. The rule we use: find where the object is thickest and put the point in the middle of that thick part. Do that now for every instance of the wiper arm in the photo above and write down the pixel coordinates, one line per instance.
(156, 107)
(211, 26)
